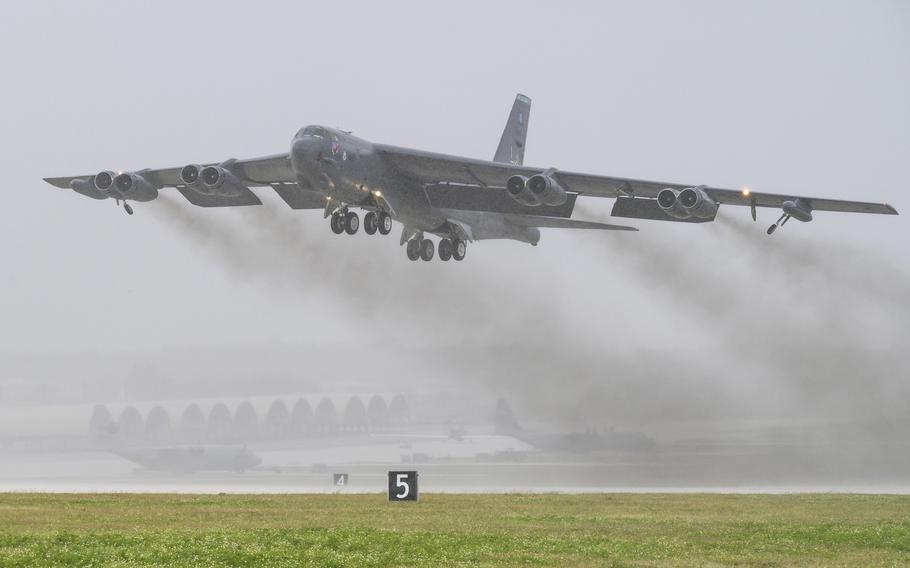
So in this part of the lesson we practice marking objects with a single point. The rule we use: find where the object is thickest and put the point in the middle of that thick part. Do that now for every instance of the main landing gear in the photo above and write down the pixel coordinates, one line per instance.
(343, 221)
(421, 248)
(381, 222)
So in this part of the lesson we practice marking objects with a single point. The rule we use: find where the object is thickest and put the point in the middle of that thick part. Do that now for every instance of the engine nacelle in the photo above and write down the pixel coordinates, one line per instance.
(546, 190)
(104, 181)
(216, 180)
(697, 203)
(135, 187)
(517, 186)
(798, 209)
(668, 199)
(190, 175)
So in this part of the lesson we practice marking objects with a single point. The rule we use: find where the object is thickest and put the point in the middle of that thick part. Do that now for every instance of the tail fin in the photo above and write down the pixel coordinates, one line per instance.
(512, 145)
(506, 423)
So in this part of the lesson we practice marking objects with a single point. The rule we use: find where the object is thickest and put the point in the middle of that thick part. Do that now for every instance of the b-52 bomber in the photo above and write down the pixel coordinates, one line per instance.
(459, 200)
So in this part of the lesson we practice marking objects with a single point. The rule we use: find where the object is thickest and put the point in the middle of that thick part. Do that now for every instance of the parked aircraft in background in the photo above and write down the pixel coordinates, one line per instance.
(460, 200)
(584, 442)
(185, 459)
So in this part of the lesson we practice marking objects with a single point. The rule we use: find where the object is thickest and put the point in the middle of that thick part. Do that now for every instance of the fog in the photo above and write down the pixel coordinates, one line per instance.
(679, 331)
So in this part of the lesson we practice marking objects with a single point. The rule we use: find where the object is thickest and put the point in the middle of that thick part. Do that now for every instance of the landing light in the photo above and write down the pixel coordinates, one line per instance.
(747, 192)
(377, 193)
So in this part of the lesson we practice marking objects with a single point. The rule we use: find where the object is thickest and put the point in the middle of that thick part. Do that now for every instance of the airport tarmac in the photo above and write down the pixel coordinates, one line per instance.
(458, 467)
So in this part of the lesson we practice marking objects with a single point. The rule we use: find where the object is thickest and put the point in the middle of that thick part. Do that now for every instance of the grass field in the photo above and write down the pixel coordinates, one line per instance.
(454, 530)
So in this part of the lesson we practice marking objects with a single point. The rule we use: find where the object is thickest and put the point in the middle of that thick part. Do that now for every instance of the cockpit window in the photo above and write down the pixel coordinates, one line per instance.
(316, 131)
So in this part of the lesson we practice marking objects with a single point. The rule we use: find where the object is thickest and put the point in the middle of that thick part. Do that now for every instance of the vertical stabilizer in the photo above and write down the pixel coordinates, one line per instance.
(512, 145)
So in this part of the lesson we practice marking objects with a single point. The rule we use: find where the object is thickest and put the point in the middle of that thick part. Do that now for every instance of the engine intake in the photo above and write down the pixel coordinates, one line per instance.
(547, 190)
(517, 186)
(135, 187)
(697, 203)
(216, 180)
(104, 181)
(189, 175)
(669, 202)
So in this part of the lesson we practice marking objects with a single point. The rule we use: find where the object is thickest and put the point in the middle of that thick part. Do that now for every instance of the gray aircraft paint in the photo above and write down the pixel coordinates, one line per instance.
(511, 149)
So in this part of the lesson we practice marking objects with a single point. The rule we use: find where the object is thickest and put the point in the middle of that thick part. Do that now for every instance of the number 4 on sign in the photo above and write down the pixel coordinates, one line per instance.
(403, 486)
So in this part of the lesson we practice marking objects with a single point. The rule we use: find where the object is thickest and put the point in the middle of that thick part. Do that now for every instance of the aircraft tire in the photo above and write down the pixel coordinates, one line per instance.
(459, 250)
(385, 223)
(370, 224)
(445, 249)
(427, 250)
(337, 223)
(413, 249)
(351, 223)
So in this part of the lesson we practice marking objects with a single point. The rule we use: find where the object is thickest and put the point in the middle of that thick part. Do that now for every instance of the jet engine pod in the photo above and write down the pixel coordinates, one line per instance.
(546, 190)
(697, 203)
(217, 180)
(668, 199)
(189, 175)
(798, 209)
(517, 186)
(104, 181)
(135, 187)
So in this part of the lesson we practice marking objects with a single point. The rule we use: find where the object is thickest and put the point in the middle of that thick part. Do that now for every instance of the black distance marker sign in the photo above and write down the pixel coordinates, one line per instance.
(403, 486)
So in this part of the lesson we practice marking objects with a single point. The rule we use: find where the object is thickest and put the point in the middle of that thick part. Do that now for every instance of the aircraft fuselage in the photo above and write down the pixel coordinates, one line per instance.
(347, 170)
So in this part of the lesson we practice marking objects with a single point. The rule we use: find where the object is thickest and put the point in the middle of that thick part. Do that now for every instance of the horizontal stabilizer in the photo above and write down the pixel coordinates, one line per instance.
(557, 223)
(643, 208)
(246, 197)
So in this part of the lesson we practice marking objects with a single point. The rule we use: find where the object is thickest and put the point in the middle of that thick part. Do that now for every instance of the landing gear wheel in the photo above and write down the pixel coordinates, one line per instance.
(460, 249)
(445, 249)
(385, 223)
(370, 223)
(337, 223)
(413, 249)
(427, 249)
(128, 208)
(351, 223)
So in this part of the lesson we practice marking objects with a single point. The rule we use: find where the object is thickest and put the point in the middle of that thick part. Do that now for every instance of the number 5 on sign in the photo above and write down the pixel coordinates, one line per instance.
(403, 486)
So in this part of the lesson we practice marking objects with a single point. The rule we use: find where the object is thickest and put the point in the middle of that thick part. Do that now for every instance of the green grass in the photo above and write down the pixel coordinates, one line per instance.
(454, 530)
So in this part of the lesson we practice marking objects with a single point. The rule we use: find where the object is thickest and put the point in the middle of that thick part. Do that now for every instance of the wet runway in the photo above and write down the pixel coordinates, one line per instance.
(480, 464)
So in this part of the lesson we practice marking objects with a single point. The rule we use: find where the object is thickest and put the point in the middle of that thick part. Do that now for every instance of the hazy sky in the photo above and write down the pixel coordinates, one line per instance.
(780, 96)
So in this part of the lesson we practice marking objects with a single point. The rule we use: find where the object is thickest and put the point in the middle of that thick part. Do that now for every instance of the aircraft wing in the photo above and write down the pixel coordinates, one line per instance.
(254, 172)
(272, 171)
(432, 168)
